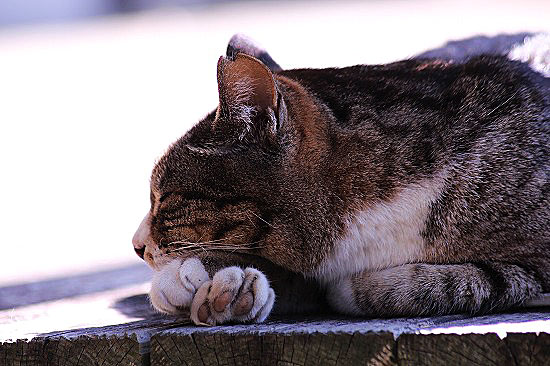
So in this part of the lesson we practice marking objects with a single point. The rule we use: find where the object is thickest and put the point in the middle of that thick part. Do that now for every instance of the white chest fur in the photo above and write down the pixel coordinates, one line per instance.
(384, 235)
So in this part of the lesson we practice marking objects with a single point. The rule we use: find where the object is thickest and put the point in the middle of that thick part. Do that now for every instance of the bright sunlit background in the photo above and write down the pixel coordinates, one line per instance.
(92, 92)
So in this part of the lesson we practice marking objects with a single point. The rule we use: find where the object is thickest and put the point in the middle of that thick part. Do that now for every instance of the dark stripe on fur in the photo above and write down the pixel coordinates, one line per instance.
(497, 281)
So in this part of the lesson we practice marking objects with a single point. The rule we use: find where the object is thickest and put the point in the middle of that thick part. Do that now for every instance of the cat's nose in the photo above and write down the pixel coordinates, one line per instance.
(141, 236)
(140, 251)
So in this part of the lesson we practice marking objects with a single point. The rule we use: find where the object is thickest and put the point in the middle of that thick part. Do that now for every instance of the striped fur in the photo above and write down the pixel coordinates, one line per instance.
(414, 188)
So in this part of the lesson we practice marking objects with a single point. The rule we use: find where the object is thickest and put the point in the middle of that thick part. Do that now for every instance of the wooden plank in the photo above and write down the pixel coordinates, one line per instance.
(61, 288)
(542, 301)
(321, 341)
(334, 341)
(122, 305)
(120, 326)
(474, 349)
(529, 349)
(80, 351)
(453, 349)
(269, 349)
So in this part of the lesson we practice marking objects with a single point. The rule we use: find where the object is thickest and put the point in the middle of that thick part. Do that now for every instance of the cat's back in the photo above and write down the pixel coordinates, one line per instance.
(436, 107)
(487, 86)
(480, 128)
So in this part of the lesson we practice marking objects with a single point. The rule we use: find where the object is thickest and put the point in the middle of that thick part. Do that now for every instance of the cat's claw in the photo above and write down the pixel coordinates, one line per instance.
(233, 295)
(173, 287)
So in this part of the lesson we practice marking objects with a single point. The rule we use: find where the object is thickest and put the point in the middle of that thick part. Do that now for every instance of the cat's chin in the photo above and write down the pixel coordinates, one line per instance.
(155, 258)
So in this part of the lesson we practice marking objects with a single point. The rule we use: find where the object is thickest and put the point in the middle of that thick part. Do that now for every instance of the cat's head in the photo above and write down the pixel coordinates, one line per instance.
(247, 178)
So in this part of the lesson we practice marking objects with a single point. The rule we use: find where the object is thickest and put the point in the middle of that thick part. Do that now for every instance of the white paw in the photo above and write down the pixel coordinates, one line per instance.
(233, 295)
(174, 286)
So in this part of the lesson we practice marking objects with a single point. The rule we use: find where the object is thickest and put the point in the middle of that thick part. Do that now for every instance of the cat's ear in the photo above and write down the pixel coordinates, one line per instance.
(246, 82)
(240, 43)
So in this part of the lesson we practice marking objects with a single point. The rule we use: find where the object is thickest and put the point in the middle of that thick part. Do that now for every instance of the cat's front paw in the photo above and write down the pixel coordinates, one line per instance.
(233, 295)
(173, 287)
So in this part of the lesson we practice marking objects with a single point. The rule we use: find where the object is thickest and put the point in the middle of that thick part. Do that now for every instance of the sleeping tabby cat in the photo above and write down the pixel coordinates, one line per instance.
(419, 187)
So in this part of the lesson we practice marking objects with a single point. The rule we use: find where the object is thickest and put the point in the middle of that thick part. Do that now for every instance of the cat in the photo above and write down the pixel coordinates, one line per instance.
(416, 188)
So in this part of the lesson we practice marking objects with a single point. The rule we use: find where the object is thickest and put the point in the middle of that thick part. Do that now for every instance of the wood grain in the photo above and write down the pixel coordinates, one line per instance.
(273, 349)
(276, 343)
(523, 337)
(80, 351)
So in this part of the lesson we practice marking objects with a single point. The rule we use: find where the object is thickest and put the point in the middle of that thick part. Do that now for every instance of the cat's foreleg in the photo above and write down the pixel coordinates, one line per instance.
(175, 284)
(229, 294)
(427, 289)
(222, 287)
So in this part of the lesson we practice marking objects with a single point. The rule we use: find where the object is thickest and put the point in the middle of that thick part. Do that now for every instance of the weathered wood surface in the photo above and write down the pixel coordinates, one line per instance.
(273, 349)
(321, 341)
(60, 288)
(328, 340)
(79, 351)
(350, 349)
(474, 349)
(118, 327)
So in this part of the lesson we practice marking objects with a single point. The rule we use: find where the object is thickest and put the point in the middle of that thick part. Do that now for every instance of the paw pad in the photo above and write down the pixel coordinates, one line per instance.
(233, 295)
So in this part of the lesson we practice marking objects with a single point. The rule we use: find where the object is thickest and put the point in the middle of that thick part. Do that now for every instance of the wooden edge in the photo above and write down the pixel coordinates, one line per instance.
(542, 301)
(281, 347)
(351, 349)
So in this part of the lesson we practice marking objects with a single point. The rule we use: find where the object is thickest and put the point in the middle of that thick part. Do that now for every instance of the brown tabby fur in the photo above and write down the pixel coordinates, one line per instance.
(274, 176)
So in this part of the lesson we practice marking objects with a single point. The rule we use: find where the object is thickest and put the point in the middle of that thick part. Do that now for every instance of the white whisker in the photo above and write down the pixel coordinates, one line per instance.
(259, 217)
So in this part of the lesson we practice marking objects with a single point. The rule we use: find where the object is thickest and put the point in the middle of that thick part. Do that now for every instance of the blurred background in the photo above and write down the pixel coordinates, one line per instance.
(93, 91)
